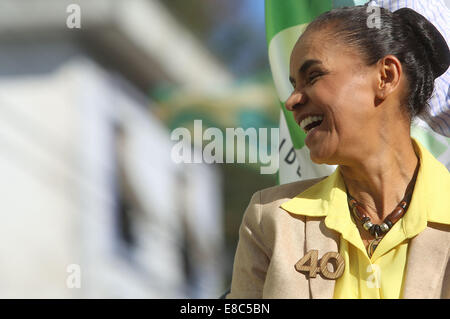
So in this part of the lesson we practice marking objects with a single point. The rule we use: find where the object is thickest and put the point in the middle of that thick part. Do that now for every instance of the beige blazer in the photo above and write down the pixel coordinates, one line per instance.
(271, 241)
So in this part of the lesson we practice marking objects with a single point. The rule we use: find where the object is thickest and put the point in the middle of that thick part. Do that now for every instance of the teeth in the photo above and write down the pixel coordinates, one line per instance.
(309, 120)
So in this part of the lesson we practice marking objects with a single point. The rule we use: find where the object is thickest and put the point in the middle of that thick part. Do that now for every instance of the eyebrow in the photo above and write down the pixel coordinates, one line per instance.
(305, 66)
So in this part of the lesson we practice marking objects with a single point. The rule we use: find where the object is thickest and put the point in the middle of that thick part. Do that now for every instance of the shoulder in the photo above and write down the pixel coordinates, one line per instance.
(264, 211)
(269, 198)
(286, 191)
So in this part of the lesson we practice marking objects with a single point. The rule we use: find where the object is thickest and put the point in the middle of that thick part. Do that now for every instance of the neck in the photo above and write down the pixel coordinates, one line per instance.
(379, 180)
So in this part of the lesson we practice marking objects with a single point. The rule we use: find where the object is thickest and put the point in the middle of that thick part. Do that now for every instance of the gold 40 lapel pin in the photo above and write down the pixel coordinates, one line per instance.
(315, 267)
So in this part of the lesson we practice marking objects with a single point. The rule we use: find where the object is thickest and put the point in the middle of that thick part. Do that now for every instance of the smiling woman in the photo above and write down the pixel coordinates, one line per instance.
(383, 216)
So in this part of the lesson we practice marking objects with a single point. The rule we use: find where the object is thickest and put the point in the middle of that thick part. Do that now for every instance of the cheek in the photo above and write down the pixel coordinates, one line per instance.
(348, 100)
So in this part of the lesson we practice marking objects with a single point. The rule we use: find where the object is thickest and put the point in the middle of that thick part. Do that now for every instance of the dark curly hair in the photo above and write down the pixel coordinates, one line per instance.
(421, 49)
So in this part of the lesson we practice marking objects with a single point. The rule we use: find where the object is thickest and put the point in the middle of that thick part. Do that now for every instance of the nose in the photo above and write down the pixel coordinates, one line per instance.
(296, 99)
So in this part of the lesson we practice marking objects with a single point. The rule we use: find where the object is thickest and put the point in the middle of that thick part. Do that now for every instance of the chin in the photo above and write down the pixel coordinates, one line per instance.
(322, 158)
(324, 150)
(318, 161)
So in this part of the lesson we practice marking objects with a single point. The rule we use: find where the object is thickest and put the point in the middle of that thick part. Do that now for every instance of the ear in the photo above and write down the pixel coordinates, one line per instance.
(389, 75)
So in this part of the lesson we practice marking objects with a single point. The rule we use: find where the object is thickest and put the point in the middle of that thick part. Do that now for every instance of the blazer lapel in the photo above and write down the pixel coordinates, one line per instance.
(427, 260)
(319, 237)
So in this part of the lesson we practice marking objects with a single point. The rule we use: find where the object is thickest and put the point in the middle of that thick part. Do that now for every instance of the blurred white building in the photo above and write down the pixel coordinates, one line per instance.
(92, 205)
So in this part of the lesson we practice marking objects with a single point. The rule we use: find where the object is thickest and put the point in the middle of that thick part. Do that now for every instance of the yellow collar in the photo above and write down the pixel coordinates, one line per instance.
(430, 197)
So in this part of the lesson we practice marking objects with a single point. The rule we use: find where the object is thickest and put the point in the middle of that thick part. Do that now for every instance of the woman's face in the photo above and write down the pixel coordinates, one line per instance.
(332, 84)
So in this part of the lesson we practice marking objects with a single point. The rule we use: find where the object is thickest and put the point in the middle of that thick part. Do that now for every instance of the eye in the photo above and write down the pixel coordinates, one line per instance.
(292, 82)
(313, 76)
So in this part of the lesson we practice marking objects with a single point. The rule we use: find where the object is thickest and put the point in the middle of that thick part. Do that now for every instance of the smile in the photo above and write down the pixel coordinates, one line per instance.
(311, 122)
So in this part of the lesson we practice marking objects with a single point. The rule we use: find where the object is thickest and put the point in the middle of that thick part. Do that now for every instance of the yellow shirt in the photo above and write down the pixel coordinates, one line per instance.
(381, 276)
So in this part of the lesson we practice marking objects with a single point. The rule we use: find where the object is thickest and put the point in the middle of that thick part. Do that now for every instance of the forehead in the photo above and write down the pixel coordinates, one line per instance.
(312, 46)
(324, 46)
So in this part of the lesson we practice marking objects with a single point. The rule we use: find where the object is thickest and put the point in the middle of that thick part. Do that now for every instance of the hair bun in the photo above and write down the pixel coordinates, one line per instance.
(436, 48)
